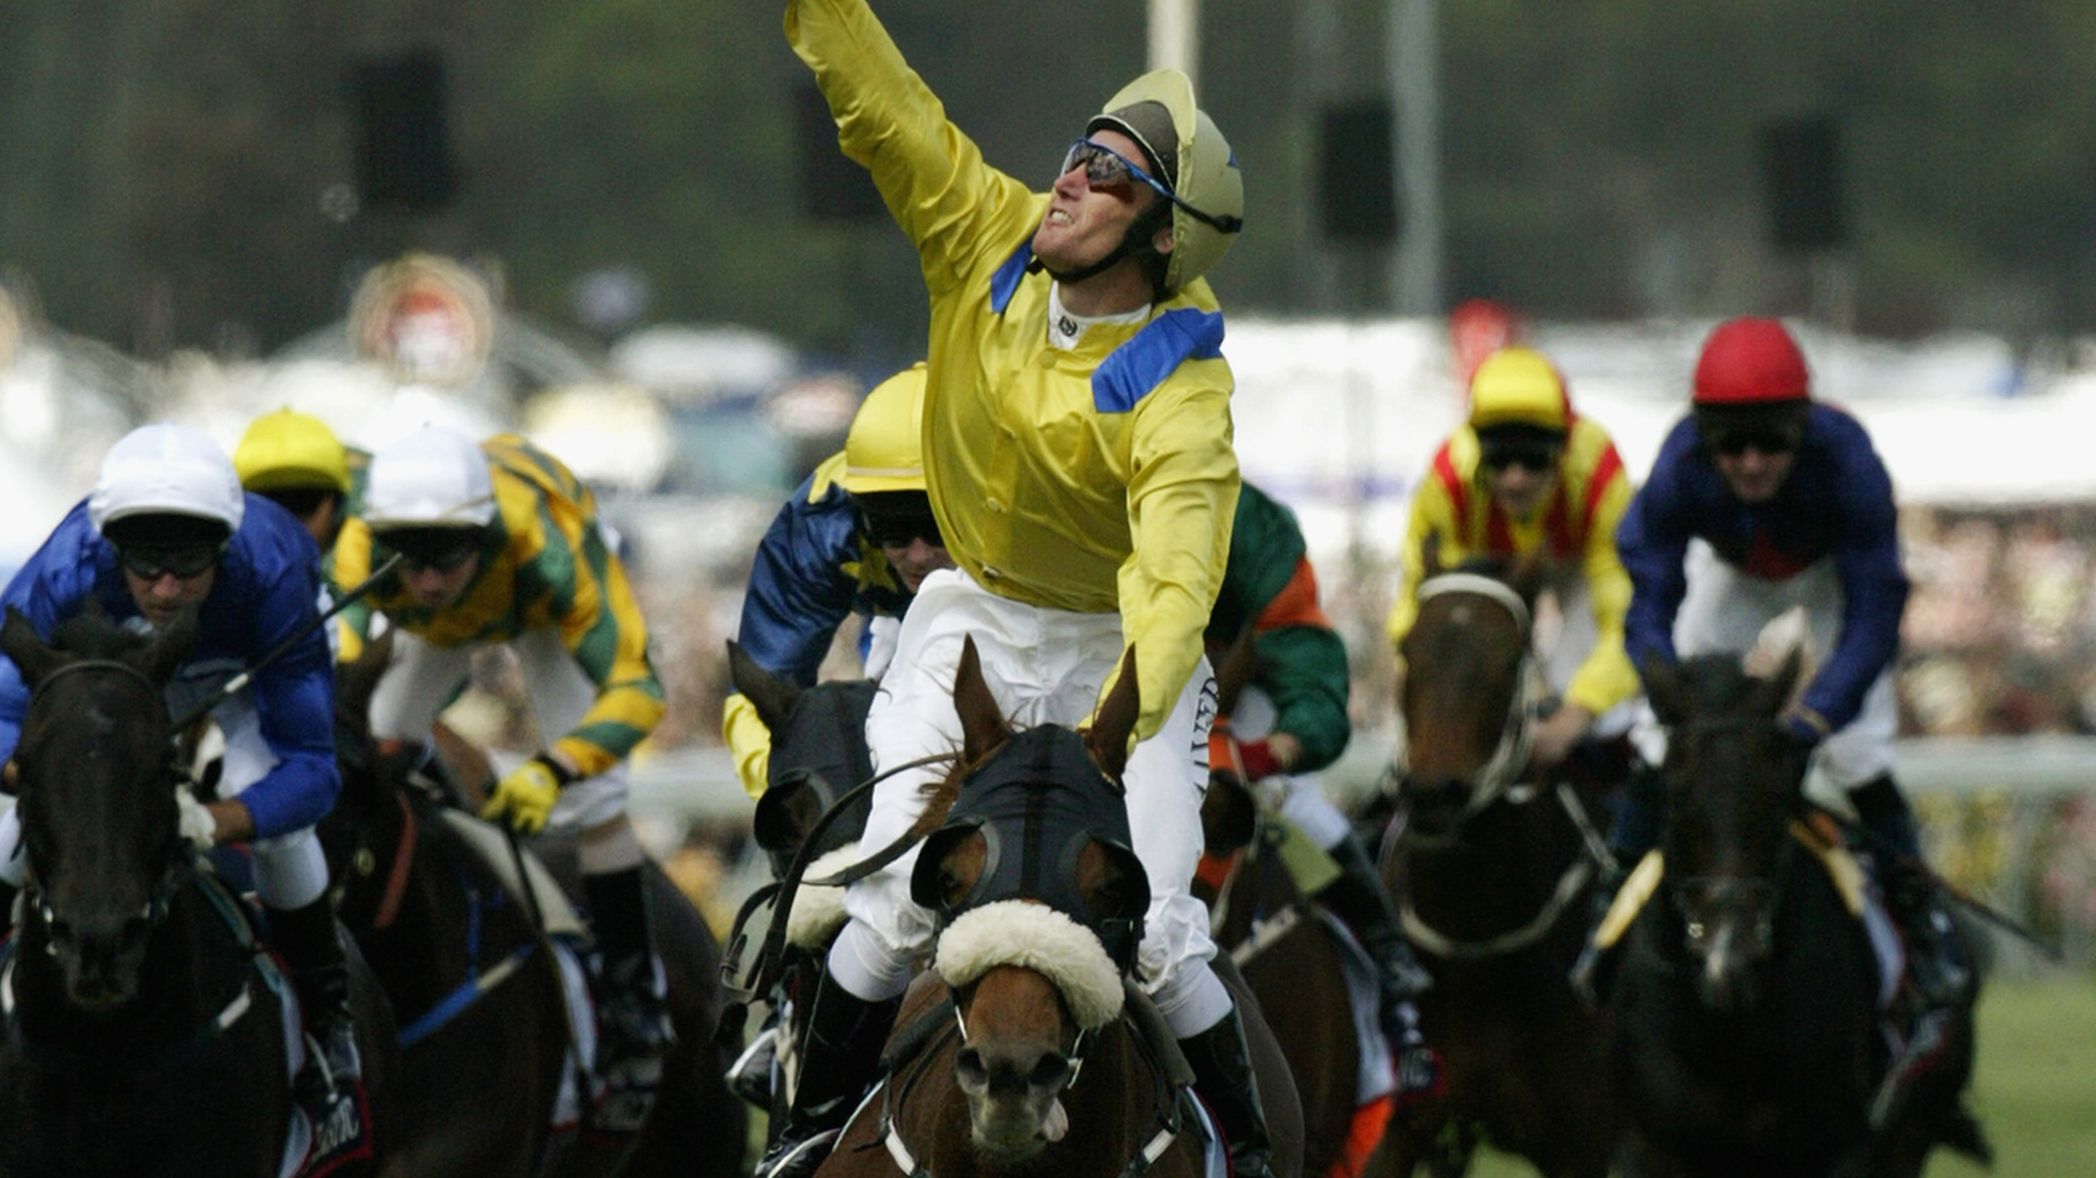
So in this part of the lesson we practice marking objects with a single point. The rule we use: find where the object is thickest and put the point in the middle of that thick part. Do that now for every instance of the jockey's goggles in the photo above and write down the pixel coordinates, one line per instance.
(895, 525)
(1734, 442)
(150, 562)
(440, 550)
(1107, 169)
(1534, 451)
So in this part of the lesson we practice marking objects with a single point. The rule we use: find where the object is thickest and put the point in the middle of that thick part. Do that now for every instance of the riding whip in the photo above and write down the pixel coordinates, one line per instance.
(247, 676)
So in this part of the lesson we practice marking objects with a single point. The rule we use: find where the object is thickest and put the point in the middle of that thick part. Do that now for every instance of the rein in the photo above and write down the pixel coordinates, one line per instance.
(1570, 884)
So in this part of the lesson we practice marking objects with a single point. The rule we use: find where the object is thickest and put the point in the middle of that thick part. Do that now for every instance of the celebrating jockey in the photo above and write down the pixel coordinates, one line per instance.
(168, 531)
(1763, 499)
(1526, 474)
(1290, 721)
(856, 537)
(1078, 456)
(500, 544)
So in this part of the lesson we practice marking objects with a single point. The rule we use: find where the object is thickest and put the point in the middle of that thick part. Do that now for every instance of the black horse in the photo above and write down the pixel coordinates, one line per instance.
(1493, 873)
(145, 1029)
(486, 1038)
(818, 754)
(1746, 1034)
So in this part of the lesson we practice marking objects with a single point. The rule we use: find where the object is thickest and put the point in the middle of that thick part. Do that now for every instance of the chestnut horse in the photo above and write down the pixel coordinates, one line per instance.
(1493, 877)
(989, 1045)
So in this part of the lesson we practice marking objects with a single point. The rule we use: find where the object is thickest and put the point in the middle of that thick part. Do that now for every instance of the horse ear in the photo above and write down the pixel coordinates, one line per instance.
(983, 726)
(1235, 672)
(1430, 556)
(1665, 689)
(19, 641)
(169, 648)
(1525, 576)
(773, 695)
(1107, 736)
(357, 679)
(1772, 694)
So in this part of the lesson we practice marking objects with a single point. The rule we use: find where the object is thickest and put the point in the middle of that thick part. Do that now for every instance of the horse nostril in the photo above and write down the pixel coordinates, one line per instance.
(1052, 1071)
(970, 1069)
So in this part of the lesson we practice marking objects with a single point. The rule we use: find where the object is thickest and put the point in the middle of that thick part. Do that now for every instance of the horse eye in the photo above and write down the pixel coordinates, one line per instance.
(1695, 929)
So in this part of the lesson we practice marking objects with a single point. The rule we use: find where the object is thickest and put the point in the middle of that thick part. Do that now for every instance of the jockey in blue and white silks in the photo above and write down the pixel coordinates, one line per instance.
(167, 531)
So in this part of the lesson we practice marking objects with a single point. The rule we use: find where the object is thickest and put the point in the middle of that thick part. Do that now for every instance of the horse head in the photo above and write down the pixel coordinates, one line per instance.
(1734, 779)
(1465, 699)
(818, 752)
(96, 796)
(1041, 900)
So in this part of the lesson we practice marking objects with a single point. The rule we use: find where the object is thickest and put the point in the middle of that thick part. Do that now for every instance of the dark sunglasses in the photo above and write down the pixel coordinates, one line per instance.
(150, 563)
(898, 529)
(1107, 169)
(1528, 456)
(1733, 443)
(444, 551)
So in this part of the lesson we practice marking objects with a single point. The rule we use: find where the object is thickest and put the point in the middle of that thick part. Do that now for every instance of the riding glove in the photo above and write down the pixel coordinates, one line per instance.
(526, 794)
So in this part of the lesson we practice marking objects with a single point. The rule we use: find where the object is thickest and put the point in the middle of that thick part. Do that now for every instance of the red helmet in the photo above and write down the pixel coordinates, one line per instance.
(1750, 361)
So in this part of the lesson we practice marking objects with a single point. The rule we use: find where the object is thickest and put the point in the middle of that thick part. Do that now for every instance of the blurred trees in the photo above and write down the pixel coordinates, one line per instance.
(175, 173)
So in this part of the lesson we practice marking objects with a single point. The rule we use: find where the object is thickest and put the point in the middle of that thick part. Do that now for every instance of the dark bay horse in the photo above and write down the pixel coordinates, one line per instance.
(486, 1029)
(989, 1047)
(145, 1028)
(1296, 966)
(1493, 877)
(1747, 1039)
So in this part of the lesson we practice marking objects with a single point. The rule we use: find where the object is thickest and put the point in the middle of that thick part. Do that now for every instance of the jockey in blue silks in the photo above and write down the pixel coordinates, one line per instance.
(168, 531)
(1763, 500)
(857, 537)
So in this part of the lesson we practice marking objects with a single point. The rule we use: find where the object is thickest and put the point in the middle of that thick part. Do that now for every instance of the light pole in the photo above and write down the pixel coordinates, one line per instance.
(1175, 36)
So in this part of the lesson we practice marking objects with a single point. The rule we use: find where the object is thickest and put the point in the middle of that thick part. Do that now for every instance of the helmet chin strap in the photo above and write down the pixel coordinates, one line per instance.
(1135, 243)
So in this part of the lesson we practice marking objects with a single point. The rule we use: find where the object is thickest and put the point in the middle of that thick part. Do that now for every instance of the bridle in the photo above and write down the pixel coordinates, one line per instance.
(179, 867)
(1509, 756)
(1759, 891)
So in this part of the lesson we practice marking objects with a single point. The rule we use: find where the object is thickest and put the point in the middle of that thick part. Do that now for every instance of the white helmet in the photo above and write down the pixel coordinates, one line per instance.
(166, 469)
(433, 478)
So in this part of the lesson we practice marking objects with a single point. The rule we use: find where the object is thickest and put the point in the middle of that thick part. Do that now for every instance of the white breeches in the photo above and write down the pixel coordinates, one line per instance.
(1726, 609)
(423, 678)
(1043, 666)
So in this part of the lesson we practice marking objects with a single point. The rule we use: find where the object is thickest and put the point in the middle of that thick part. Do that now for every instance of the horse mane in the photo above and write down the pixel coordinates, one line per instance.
(94, 634)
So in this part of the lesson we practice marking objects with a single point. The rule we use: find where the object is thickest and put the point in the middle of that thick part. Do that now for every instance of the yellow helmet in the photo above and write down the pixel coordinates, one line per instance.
(1207, 189)
(288, 450)
(885, 449)
(1519, 386)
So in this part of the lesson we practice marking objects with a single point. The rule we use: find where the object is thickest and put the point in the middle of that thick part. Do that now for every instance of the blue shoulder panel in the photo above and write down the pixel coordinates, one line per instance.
(1146, 360)
(1005, 283)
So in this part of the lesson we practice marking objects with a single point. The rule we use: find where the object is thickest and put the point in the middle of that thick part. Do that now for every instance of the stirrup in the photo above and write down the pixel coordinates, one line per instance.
(750, 1076)
(798, 1159)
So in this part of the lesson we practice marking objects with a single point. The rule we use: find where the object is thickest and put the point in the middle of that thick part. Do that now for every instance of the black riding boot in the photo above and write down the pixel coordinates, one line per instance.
(312, 948)
(633, 1022)
(838, 1061)
(1222, 1066)
(1935, 961)
(1358, 898)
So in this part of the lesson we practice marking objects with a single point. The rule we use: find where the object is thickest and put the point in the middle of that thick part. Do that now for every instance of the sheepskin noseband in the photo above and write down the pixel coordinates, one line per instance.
(1038, 804)
(1035, 937)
